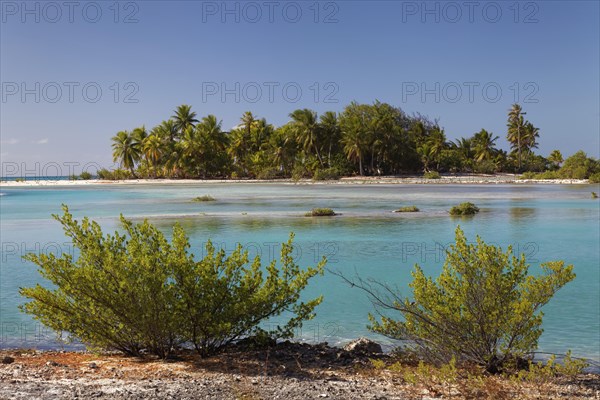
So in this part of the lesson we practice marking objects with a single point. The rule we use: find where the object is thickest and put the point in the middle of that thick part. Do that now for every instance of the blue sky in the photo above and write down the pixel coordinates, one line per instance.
(462, 64)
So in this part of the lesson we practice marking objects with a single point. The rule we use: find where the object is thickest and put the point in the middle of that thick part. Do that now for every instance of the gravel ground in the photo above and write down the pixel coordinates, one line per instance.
(289, 371)
(297, 372)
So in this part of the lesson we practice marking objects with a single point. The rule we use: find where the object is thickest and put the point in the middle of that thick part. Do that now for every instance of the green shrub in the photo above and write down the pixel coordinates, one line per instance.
(407, 209)
(595, 178)
(465, 208)
(73, 177)
(548, 175)
(85, 176)
(136, 292)
(594, 195)
(483, 308)
(485, 167)
(540, 175)
(104, 174)
(20, 180)
(269, 173)
(431, 175)
(300, 172)
(544, 372)
(329, 174)
(114, 175)
(527, 175)
(204, 198)
(579, 166)
(320, 212)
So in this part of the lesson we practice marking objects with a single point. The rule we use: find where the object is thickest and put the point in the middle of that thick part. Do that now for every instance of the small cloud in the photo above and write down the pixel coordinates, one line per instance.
(9, 141)
(41, 141)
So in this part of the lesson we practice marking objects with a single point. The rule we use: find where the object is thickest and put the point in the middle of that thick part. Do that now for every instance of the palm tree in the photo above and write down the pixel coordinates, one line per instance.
(169, 129)
(167, 132)
(184, 118)
(424, 152)
(190, 148)
(139, 134)
(355, 125)
(126, 150)
(307, 130)
(484, 145)
(153, 147)
(212, 128)
(260, 133)
(556, 158)
(353, 142)
(248, 121)
(330, 129)
(238, 148)
(281, 148)
(436, 142)
(516, 124)
(529, 136)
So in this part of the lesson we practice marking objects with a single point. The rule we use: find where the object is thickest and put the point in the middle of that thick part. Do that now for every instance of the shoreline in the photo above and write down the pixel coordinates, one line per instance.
(504, 179)
(288, 371)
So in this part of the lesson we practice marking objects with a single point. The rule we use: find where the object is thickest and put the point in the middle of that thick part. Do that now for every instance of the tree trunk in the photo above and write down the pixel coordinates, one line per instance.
(360, 165)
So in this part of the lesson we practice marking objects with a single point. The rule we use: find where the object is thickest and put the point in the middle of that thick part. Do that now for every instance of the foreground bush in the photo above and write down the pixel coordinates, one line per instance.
(464, 209)
(484, 308)
(595, 178)
(136, 292)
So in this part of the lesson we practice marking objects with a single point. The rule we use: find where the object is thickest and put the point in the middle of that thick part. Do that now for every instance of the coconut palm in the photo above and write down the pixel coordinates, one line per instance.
(330, 129)
(530, 136)
(484, 145)
(355, 125)
(139, 134)
(184, 118)
(436, 143)
(354, 145)
(238, 148)
(126, 150)
(168, 129)
(190, 150)
(212, 128)
(153, 148)
(306, 128)
(280, 148)
(248, 121)
(556, 158)
(516, 124)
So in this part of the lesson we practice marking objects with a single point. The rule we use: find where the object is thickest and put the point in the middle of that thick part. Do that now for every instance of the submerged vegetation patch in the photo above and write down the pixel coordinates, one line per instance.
(407, 209)
(320, 212)
(465, 208)
(204, 198)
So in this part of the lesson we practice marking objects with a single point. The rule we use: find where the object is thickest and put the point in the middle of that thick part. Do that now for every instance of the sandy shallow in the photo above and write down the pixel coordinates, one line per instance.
(445, 180)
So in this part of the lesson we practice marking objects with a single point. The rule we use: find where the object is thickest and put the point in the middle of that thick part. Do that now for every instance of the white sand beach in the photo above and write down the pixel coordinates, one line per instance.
(383, 180)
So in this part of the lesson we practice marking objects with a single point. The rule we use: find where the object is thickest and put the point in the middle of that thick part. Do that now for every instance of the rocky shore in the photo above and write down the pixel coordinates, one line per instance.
(285, 371)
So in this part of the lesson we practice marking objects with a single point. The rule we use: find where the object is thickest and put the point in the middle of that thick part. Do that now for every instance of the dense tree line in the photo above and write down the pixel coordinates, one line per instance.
(364, 139)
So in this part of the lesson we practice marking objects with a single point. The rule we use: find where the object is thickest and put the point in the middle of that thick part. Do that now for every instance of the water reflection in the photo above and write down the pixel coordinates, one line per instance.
(520, 213)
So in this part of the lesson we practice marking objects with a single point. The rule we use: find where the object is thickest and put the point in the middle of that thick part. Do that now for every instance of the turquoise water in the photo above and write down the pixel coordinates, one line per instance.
(546, 222)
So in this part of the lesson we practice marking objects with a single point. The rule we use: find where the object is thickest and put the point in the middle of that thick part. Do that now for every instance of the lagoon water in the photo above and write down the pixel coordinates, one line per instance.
(546, 222)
